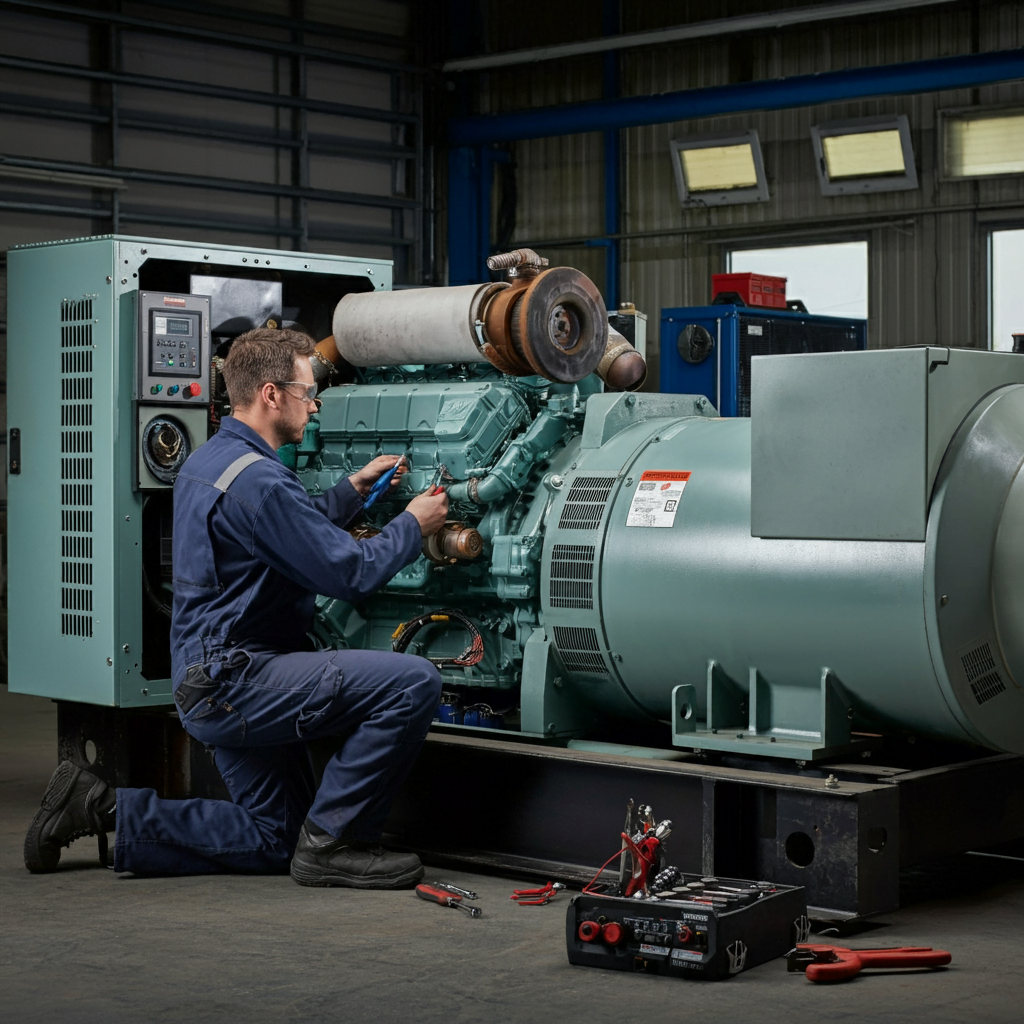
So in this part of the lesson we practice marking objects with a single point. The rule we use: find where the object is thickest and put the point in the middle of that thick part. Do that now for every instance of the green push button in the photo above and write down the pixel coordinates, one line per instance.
(156, 389)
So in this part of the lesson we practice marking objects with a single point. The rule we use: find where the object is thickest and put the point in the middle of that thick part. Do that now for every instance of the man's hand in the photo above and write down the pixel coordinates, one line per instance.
(363, 480)
(430, 510)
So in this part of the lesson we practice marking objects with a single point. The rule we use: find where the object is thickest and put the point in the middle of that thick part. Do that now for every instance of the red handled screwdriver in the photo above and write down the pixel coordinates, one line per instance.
(446, 899)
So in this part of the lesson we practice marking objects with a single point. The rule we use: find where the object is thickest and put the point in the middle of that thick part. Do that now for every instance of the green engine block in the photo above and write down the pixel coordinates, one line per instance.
(506, 435)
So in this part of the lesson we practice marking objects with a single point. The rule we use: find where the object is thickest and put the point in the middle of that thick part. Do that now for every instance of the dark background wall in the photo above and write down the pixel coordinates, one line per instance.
(928, 248)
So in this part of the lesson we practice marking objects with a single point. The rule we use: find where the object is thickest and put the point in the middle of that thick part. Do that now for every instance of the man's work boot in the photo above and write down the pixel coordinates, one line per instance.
(322, 860)
(75, 804)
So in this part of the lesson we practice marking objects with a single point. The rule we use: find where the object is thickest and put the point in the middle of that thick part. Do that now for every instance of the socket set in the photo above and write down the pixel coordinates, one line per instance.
(699, 927)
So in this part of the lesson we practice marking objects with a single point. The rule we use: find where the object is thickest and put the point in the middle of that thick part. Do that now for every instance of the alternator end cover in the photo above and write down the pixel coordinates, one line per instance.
(976, 539)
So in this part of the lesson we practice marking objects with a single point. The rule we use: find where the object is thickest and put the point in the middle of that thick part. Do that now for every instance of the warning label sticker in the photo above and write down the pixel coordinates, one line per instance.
(686, 954)
(656, 498)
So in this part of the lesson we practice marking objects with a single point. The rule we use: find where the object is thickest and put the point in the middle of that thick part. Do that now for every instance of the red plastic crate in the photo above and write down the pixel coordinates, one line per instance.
(753, 289)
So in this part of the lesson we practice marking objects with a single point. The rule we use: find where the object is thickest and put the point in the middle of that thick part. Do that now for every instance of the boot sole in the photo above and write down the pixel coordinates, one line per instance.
(316, 876)
(40, 856)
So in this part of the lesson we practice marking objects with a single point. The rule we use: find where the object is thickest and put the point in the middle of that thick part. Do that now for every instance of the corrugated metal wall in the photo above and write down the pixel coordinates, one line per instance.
(74, 90)
(928, 247)
(97, 138)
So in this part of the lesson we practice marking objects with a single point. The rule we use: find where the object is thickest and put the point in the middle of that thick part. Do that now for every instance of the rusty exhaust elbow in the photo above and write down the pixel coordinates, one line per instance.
(621, 367)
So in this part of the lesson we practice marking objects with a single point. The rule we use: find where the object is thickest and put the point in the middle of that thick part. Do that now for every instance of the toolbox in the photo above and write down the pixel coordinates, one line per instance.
(753, 289)
(705, 928)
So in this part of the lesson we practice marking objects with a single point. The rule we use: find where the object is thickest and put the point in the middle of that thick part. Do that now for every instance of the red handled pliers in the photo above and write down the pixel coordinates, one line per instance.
(537, 897)
(837, 963)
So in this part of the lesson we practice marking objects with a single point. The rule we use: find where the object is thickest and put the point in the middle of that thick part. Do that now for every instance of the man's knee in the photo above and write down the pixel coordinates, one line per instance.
(424, 681)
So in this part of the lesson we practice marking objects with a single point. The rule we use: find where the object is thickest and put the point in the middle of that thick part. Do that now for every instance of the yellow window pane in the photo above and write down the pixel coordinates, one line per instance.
(985, 145)
(719, 167)
(863, 154)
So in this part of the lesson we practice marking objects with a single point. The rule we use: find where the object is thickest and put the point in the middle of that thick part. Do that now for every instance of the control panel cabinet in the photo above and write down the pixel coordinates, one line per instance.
(173, 359)
(112, 342)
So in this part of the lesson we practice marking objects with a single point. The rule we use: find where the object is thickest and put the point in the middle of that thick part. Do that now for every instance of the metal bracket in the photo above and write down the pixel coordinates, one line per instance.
(773, 719)
(478, 326)
(549, 706)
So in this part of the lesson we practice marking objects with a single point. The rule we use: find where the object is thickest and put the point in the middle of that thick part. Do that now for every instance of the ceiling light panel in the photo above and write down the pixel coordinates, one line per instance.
(864, 155)
(976, 146)
(718, 167)
(715, 170)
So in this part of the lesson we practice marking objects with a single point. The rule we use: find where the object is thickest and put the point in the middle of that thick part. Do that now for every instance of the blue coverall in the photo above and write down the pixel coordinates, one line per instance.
(248, 562)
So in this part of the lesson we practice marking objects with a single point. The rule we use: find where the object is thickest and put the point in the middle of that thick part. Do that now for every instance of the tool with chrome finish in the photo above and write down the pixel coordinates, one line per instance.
(445, 899)
(455, 890)
(837, 963)
(627, 829)
(440, 480)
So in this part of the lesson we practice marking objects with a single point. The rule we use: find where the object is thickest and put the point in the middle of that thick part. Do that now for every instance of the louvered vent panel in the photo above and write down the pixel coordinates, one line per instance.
(584, 505)
(982, 674)
(579, 649)
(977, 662)
(987, 687)
(572, 576)
(76, 465)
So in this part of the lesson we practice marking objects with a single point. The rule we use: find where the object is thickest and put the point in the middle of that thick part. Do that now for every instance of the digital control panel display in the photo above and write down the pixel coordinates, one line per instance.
(174, 325)
(175, 348)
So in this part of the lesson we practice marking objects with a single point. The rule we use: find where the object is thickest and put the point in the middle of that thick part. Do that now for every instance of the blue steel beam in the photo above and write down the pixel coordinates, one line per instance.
(777, 94)
(611, 17)
(469, 169)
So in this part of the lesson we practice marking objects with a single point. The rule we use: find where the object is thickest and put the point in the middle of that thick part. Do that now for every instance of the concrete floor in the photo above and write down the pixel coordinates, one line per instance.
(83, 945)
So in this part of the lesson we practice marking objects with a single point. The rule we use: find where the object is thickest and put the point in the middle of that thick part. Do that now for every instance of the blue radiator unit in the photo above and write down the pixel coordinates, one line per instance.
(706, 350)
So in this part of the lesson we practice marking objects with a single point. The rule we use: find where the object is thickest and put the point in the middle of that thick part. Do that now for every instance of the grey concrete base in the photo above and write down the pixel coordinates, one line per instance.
(83, 945)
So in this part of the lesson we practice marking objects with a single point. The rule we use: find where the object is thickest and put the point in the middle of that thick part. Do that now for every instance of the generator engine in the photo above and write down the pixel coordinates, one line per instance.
(839, 567)
(836, 568)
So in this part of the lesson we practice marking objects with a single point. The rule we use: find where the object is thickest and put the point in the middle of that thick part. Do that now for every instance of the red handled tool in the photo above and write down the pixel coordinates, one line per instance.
(440, 478)
(446, 899)
(537, 897)
(836, 963)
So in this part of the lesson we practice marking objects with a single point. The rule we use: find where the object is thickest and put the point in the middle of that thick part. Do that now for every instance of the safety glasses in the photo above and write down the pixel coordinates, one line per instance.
(308, 393)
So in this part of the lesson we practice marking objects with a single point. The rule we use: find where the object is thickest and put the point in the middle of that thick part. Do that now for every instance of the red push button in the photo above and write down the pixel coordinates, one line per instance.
(588, 931)
(612, 933)
(192, 390)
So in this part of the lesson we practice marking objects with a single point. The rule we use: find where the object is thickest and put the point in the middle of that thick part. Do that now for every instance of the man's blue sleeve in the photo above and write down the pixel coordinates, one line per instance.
(341, 504)
(294, 537)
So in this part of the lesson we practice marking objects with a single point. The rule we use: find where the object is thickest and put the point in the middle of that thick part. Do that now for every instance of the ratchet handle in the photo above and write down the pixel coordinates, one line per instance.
(428, 892)
(446, 899)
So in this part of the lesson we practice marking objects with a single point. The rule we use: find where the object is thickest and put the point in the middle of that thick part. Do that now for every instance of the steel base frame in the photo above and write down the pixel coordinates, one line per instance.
(535, 809)
(844, 837)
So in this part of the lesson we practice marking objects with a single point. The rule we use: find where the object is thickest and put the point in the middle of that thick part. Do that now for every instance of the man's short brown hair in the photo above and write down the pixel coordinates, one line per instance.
(260, 356)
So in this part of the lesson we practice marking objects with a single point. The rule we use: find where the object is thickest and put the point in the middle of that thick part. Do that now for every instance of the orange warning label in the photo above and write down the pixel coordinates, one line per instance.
(656, 498)
(666, 474)
(170, 300)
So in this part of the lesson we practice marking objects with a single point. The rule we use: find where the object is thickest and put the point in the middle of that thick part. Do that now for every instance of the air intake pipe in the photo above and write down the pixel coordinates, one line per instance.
(549, 322)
